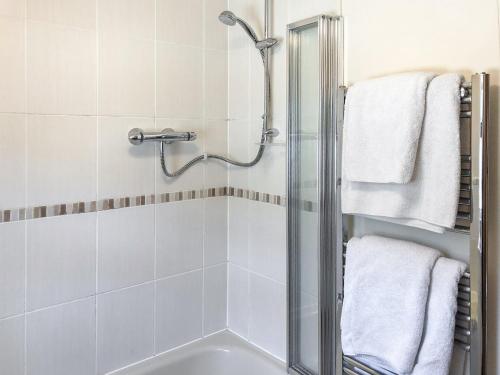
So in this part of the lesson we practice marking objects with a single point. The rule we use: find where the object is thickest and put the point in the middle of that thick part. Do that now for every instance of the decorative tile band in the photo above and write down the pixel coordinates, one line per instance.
(256, 196)
(19, 214)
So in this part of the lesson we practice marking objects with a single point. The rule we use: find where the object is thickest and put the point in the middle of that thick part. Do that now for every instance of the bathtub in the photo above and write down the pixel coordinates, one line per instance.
(220, 354)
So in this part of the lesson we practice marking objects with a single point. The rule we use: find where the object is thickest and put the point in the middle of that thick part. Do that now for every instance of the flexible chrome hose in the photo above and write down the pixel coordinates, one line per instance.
(200, 158)
(260, 152)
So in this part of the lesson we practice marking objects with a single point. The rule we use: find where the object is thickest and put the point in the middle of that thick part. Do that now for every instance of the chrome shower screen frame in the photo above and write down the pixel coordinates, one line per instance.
(329, 34)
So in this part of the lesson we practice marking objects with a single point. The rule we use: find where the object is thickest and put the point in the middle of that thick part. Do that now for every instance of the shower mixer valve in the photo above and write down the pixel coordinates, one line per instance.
(138, 136)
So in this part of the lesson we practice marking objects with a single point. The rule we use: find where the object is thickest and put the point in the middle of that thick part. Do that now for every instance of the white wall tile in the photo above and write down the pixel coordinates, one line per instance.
(62, 159)
(216, 84)
(124, 169)
(178, 154)
(61, 259)
(256, 231)
(179, 237)
(12, 354)
(126, 76)
(238, 148)
(216, 138)
(12, 64)
(127, 18)
(180, 22)
(215, 31)
(239, 84)
(62, 69)
(238, 300)
(216, 171)
(215, 299)
(12, 268)
(178, 310)
(269, 175)
(267, 322)
(256, 86)
(12, 161)
(125, 321)
(215, 244)
(279, 79)
(73, 13)
(126, 249)
(179, 81)
(238, 211)
(61, 340)
(267, 240)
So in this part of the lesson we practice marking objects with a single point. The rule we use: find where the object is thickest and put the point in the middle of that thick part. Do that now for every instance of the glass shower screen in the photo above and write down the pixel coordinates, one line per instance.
(312, 193)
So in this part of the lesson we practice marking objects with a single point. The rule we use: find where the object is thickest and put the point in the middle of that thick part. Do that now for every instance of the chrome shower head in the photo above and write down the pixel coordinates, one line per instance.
(230, 19)
(227, 18)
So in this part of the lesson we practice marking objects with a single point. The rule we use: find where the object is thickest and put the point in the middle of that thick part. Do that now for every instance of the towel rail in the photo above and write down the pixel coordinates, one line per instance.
(471, 324)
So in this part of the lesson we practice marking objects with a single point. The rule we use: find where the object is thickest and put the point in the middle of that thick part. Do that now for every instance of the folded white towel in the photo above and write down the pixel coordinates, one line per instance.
(382, 124)
(386, 288)
(437, 342)
(430, 200)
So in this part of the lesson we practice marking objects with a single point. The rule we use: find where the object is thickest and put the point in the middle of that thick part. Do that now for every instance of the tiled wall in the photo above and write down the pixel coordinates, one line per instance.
(257, 232)
(88, 293)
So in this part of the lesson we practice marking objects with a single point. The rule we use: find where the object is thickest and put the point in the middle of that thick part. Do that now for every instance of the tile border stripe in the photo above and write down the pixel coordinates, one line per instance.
(63, 209)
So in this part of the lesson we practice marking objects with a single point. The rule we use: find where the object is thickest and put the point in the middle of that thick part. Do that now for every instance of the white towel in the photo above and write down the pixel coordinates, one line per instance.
(382, 124)
(437, 343)
(386, 289)
(430, 200)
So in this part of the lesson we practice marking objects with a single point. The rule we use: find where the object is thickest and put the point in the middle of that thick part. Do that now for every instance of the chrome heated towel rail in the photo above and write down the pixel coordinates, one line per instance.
(471, 322)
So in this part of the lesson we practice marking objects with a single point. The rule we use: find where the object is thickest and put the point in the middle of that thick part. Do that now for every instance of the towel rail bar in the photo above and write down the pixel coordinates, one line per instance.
(471, 325)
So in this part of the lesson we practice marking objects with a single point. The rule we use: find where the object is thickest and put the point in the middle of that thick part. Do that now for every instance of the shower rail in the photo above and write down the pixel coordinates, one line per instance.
(471, 320)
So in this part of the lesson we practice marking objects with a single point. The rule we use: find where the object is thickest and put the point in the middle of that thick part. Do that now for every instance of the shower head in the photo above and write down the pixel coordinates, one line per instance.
(227, 18)
(230, 19)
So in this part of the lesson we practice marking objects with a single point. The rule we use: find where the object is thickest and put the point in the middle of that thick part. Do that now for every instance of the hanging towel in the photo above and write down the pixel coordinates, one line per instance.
(430, 200)
(382, 124)
(437, 343)
(386, 288)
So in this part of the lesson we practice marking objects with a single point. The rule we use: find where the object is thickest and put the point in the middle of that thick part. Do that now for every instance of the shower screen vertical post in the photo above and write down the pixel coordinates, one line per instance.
(313, 79)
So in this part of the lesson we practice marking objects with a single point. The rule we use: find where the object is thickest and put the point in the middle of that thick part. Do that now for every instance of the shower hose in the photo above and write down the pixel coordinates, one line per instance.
(260, 152)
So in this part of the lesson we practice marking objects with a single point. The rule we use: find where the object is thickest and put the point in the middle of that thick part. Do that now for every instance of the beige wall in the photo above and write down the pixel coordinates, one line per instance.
(389, 36)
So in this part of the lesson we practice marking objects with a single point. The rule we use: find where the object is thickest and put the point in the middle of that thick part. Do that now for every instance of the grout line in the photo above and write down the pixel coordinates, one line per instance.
(253, 343)
(215, 265)
(180, 274)
(124, 116)
(163, 353)
(60, 304)
(242, 268)
(14, 316)
(205, 167)
(98, 124)
(26, 154)
(248, 306)
(155, 178)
